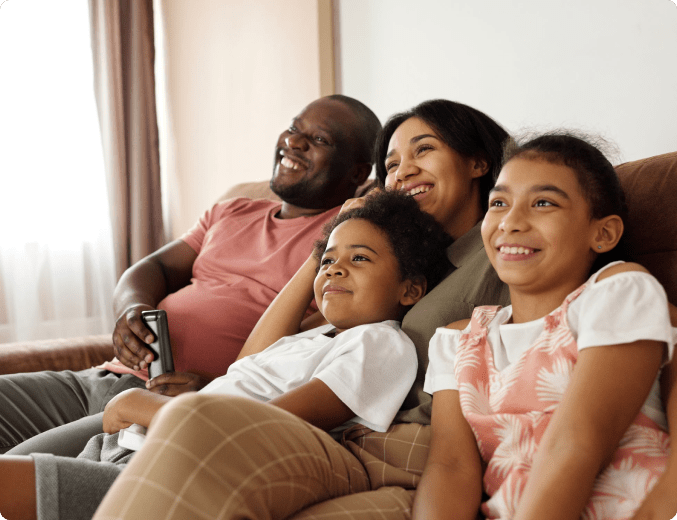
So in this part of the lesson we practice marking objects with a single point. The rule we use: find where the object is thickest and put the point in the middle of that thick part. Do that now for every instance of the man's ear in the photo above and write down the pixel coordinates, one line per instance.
(480, 167)
(414, 291)
(609, 232)
(360, 173)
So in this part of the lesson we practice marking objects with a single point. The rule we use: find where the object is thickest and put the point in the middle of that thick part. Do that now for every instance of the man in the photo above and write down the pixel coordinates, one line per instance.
(214, 283)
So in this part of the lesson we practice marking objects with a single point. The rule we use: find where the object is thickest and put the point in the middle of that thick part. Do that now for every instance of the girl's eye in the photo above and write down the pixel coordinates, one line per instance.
(326, 261)
(360, 258)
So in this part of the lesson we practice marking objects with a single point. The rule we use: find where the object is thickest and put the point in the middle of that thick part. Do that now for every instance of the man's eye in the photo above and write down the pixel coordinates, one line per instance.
(291, 129)
(320, 139)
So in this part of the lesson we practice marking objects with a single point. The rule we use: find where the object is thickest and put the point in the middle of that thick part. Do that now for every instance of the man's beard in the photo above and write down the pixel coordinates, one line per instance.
(302, 194)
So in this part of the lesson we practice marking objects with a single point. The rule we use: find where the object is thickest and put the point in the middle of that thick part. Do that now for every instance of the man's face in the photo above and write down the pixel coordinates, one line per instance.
(314, 157)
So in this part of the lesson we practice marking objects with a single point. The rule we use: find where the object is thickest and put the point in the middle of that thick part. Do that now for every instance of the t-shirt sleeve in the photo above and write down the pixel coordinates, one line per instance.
(195, 236)
(621, 309)
(441, 373)
(372, 371)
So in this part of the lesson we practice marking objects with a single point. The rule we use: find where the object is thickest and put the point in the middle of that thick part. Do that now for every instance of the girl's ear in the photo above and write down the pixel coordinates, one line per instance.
(609, 232)
(414, 291)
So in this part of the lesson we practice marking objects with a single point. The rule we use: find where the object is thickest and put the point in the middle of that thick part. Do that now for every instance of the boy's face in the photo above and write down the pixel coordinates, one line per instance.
(359, 278)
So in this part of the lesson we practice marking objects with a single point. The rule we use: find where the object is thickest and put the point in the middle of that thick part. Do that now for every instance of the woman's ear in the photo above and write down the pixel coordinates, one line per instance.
(609, 232)
(414, 291)
(479, 167)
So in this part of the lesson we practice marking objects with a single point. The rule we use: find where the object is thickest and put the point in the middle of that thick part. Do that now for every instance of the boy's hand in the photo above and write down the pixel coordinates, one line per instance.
(175, 383)
(116, 413)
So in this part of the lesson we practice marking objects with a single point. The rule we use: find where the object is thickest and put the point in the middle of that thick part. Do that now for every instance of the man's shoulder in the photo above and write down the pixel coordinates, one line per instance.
(242, 206)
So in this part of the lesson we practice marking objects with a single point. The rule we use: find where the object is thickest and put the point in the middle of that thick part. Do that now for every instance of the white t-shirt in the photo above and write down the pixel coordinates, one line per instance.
(622, 308)
(370, 368)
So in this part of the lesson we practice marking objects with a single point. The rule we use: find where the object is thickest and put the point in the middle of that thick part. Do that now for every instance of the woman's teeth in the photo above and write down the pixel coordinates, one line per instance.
(418, 189)
(516, 250)
(288, 163)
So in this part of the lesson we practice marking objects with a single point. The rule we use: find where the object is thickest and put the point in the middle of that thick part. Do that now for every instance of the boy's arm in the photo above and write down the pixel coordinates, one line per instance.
(661, 502)
(284, 315)
(133, 406)
(606, 392)
(316, 403)
(451, 485)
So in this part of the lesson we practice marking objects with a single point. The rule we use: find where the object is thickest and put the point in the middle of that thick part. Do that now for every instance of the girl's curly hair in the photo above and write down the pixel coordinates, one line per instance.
(416, 239)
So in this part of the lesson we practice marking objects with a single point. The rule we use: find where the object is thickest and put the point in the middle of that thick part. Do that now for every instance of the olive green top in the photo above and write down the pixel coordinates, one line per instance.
(471, 282)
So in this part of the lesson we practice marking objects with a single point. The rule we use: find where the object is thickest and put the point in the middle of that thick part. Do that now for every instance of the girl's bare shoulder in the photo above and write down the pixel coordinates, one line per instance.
(621, 268)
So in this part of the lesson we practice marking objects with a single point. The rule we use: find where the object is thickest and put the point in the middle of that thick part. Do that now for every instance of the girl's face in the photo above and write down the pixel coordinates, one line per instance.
(538, 232)
(359, 278)
(443, 182)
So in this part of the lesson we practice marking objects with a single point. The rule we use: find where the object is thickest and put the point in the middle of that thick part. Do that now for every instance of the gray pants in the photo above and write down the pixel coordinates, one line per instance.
(56, 412)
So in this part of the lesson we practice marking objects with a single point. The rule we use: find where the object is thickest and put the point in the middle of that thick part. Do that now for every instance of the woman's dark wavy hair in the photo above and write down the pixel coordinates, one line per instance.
(417, 240)
(464, 129)
(596, 176)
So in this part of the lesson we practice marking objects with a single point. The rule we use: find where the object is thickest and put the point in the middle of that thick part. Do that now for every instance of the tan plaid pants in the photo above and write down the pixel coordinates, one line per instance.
(212, 457)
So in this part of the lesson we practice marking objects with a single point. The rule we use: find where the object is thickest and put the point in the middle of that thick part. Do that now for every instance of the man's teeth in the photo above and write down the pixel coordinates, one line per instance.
(418, 189)
(516, 250)
(288, 163)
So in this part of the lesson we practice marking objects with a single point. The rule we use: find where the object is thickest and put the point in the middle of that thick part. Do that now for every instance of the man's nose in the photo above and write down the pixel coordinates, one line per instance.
(296, 141)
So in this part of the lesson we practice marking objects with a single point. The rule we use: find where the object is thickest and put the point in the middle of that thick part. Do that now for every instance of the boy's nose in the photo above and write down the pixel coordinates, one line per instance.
(512, 221)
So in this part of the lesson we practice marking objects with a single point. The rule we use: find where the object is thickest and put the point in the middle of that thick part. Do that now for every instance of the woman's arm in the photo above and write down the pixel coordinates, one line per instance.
(606, 392)
(451, 485)
(284, 315)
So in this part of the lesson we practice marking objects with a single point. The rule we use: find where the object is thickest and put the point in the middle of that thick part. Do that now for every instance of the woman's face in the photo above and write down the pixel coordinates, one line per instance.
(444, 183)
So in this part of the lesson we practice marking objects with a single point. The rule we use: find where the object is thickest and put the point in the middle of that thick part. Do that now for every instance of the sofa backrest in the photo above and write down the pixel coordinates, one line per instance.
(650, 187)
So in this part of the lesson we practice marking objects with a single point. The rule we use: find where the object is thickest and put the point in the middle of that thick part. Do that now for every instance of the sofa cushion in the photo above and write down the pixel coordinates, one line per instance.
(650, 187)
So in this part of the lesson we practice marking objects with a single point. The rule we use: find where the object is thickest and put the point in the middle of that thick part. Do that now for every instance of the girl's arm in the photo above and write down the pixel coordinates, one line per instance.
(451, 485)
(661, 502)
(284, 315)
(606, 392)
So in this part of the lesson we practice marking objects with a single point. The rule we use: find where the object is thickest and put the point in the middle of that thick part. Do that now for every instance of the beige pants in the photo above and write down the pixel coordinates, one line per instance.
(225, 457)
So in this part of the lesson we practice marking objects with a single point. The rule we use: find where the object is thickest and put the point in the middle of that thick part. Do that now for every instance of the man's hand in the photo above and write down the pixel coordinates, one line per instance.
(131, 336)
(175, 383)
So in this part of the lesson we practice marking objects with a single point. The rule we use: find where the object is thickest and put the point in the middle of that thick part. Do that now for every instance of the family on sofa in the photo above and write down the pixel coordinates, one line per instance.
(538, 223)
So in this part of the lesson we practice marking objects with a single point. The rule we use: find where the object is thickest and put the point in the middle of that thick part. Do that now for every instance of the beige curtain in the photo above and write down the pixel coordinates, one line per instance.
(124, 82)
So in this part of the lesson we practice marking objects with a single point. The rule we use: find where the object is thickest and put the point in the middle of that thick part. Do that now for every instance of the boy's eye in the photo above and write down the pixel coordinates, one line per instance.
(496, 203)
(544, 203)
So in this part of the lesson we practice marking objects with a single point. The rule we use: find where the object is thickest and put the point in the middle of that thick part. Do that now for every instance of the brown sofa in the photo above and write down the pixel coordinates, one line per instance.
(650, 186)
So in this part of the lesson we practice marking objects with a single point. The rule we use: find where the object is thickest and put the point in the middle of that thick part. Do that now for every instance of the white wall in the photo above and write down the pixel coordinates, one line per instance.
(604, 66)
(235, 74)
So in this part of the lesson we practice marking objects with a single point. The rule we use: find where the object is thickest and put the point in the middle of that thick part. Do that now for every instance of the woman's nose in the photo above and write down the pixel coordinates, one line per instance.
(404, 170)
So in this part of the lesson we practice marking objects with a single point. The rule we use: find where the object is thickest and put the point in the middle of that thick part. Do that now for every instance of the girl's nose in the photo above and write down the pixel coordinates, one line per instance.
(334, 269)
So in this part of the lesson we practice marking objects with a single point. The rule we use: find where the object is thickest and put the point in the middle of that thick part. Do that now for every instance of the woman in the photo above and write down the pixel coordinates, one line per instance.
(444, 154)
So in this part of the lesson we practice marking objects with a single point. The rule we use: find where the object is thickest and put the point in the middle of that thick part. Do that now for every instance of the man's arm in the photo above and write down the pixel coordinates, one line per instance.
(284, 315)
(141, 288)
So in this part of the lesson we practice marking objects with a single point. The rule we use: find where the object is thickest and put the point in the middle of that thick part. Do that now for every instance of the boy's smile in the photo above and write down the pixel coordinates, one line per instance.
(359, 278)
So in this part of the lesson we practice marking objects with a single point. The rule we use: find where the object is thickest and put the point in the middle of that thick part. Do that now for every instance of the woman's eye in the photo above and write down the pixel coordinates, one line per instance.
(390, 166)
(423, 148)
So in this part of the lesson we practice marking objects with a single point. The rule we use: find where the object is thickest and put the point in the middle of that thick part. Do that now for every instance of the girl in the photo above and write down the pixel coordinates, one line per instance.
(552, 403)
(374, 263)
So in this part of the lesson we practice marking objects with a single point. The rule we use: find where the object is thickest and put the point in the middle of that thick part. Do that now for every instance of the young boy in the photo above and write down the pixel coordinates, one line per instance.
(374, 263)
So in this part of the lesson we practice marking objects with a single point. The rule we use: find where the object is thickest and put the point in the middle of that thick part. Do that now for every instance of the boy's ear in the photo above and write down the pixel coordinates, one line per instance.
(414, 291)
(609, 232)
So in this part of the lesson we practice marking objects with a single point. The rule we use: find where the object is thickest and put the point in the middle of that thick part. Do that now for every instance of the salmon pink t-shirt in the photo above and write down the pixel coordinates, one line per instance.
(245, 257)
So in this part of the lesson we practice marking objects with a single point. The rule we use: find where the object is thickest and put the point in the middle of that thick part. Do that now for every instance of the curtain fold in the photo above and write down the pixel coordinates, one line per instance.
(124, 82)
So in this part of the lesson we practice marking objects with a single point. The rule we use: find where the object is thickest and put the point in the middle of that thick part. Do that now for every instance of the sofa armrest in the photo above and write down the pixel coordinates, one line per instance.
(55, 354)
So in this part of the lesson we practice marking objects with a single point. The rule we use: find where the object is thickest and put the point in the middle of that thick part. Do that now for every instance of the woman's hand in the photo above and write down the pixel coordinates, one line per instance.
(660, 503)
(357, 202)
(176, 383)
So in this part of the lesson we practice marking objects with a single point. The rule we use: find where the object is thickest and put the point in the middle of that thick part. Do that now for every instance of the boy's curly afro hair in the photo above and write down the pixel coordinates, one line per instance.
(418, 242)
